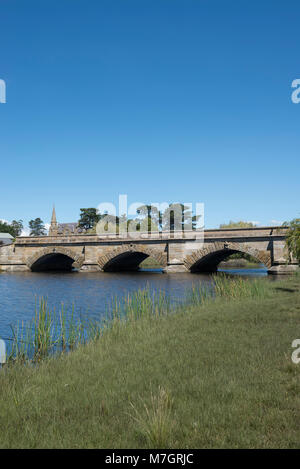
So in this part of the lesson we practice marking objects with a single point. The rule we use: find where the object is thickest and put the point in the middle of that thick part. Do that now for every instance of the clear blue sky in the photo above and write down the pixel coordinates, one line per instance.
(163, 100)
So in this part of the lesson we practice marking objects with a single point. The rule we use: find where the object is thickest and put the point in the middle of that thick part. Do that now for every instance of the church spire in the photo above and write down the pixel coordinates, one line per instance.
(53, 218)
(54, 225)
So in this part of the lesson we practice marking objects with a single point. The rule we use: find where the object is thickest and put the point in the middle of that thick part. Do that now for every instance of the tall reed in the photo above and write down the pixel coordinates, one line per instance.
(237, 287)
(49, 333)
(140, 303)
(155, 420)
(44, 330)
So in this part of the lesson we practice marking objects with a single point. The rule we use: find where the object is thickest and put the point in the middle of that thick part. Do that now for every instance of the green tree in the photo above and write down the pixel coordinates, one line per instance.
(153, 219)
(6, 228)
(182, 213)
(148, 225)
(106, 223)
(151, 213)
(37, 227)
(293, 237)
(238, 224)
(89, 218)
(14, 228)
(17, 227)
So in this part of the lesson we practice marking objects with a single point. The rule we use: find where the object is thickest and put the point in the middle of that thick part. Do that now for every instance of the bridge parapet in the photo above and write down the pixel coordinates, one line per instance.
(274, 232)
(176, 251)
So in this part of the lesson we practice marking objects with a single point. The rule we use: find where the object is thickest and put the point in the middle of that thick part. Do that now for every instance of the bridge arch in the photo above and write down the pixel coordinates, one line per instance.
(54, 258)
(208, 258)
(128, 257)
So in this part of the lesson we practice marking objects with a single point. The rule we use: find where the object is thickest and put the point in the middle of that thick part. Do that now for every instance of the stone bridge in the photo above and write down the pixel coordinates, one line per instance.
(173, 251)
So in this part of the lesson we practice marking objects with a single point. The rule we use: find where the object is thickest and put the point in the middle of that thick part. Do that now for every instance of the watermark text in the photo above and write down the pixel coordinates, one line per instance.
(296, 352)
(296, 93)
(2, 92)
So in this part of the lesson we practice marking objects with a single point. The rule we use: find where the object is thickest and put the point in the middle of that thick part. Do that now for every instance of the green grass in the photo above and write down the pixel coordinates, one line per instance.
(216, 374)
(150, 263)
(239, 264)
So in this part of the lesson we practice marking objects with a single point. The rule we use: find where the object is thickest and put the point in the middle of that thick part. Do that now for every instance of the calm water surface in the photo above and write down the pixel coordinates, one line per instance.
(90, 293)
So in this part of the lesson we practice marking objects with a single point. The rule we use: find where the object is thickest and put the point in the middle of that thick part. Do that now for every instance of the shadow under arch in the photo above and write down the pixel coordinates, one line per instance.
(54, 259)
(208, 259)
(128, 258)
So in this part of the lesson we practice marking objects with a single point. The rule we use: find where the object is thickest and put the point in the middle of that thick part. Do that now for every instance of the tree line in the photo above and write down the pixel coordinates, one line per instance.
(149, 218)
(15, 228)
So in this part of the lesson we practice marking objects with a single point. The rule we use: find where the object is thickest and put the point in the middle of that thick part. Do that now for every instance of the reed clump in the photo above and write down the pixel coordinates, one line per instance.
(238, 288)
(155, 420)
(49, 332)
(143, 302)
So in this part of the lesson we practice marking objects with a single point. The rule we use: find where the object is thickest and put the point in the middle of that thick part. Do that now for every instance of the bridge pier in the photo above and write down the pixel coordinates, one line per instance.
(86, 268)
(175, 268)
(283, 269)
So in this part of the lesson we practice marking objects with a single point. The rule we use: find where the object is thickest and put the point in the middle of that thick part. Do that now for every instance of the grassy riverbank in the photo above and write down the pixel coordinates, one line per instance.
(213, 375)
(150, 263)
(235, 263)
(239, 263)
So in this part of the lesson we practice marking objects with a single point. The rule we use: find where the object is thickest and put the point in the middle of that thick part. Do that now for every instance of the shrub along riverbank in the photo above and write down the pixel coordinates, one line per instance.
(218, 373)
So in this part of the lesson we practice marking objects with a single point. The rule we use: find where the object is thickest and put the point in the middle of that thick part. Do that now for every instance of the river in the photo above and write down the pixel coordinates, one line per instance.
(89, 292)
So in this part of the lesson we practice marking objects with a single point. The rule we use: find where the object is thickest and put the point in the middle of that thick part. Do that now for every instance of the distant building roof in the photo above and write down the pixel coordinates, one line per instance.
(71, 227)
(63, 228)
(6, 236)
